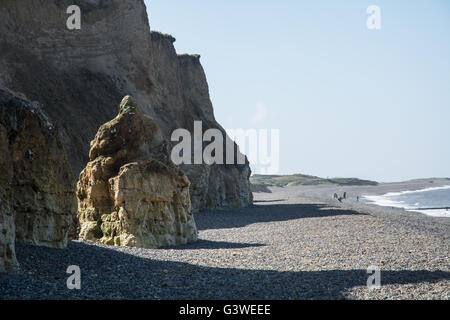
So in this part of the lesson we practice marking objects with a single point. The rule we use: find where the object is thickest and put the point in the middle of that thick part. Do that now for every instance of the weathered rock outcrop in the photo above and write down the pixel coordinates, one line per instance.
(8, 259)
(130, 193)
(37, 188)
(77, 76)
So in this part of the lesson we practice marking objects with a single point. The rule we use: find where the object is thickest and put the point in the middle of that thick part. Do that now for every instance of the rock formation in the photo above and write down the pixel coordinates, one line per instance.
(37, 194)
(130, 193)
(78, 75)
(7, 235)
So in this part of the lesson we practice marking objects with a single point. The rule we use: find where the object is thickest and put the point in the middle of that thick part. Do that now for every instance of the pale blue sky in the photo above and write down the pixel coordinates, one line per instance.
(348, 101)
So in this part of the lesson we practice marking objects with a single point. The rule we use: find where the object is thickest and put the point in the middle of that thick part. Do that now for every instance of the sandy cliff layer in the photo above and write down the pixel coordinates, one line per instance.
(79, 76)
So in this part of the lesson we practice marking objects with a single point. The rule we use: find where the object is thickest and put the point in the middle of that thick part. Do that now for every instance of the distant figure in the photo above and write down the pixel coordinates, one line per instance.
(357, 198)
(345, 195)
(335, 196)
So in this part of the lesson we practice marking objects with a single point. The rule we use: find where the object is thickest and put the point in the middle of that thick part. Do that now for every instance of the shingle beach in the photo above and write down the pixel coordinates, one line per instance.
(286, 246)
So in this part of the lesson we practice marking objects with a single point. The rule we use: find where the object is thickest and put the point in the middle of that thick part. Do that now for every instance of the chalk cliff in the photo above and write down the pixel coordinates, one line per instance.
(78, 76)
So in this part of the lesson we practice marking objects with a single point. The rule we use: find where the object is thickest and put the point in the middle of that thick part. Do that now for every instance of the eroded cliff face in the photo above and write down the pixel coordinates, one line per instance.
(8, 261)
(7, 227)
(130, 193)
(185, 91)
(78, 76)
(37, 196)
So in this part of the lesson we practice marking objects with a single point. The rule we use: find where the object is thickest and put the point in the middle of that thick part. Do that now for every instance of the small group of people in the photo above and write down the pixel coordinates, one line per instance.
(344, 196)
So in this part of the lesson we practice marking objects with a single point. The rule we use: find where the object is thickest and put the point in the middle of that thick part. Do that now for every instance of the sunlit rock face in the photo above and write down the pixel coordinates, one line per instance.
(78, 76)
(130, 193)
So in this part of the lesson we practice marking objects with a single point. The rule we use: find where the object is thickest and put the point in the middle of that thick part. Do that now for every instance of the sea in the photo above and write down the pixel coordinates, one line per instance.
(438, 197)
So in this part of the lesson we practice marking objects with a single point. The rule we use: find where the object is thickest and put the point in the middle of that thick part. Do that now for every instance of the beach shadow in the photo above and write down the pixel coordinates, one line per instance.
(237, 218)
(112, 274)
(260, 188)
(206, 244)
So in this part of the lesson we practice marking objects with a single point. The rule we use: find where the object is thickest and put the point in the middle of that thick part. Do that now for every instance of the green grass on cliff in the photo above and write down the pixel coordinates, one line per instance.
(305, 180)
